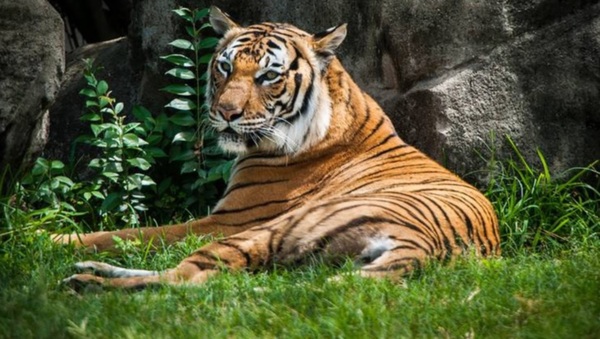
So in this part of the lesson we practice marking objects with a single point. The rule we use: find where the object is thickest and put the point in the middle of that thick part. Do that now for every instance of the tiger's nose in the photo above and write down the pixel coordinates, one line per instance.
(229, 114)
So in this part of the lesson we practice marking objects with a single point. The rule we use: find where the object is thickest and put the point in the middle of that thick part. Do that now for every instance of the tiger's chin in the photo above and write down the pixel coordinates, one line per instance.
(234, 143)
(240, 144)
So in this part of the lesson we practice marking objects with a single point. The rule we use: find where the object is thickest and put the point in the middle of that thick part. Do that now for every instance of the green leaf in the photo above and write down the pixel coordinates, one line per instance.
(205, 59)
(140, 207)
(91, 103)
(91, 117)
(183, 90)
(140, 163)
(99, 128)
(154, 139)
(40, 167)
(112, 176)
(184, 13)
(111, 201)
(57, 165)
(179, 60)
(103, 101)
(112, 168)
(98, 195)
(205, 26)
(162, 123)
(191, 32)
(147, 181)
(155, 152)
(90, 79)
(184, 156)
(181, 104)
(119, 107)
(141, 113)
(214, 174)
(64, 180)
(189, 167)
(209, 42)
(182, 44)
(181, 73)
(96, 163)
(182, 119)
(200, 14)
(131, 126)
(101, 88)
(132, 140)
(88, 92)
(183, 136)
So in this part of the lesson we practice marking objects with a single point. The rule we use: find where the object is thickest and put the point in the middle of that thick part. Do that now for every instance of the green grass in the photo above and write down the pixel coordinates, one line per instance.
(546, 285)
(542, 295)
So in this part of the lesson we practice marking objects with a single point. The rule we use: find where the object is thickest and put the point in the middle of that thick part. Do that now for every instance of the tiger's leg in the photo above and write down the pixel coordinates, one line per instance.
(367, 228)
(247, 250)
(104, 241)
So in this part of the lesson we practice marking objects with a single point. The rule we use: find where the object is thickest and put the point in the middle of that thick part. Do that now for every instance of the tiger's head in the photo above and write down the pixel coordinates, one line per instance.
(266, 89)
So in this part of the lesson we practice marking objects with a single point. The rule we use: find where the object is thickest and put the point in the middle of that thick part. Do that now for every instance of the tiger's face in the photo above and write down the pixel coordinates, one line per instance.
(265, 90)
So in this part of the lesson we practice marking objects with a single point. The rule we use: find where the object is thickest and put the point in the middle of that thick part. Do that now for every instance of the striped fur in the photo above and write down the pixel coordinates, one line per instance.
(320, 171)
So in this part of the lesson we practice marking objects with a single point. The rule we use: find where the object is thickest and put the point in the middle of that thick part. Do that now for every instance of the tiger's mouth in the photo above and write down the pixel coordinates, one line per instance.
(236, 142)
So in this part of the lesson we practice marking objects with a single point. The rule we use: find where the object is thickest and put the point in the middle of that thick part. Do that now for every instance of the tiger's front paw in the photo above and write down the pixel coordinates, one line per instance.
(83, 282)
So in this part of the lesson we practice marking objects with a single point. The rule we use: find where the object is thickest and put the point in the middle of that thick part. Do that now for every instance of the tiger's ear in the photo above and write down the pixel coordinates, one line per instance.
(220, 21)
(325, 43)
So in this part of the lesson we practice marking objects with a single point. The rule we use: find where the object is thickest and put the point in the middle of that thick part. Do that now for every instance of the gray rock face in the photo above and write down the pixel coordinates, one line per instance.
(539, 83)
(31, 66)
(450, 73)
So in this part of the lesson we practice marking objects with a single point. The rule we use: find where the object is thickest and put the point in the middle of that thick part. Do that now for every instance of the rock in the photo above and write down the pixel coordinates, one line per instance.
(541, 88)
(31, 64)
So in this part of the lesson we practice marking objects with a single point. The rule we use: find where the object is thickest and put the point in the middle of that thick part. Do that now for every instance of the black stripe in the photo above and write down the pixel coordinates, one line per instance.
(236, 247)
(455, 235)
(247, 208)
(379, 154)
(280, 39)
(297, 83)
(308, 94)
(210, 256)
(202, 265)
(384, 141)
(273, 45)
(242, 185)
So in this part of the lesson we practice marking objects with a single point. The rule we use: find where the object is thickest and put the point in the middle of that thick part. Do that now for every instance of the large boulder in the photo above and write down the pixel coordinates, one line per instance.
(31, 66)
(450, 73)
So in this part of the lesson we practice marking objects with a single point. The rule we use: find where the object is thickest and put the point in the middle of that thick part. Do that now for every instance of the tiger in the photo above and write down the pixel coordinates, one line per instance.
(320, 172)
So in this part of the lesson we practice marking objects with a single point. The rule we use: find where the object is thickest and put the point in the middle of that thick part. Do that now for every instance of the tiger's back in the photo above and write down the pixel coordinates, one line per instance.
(320, 169)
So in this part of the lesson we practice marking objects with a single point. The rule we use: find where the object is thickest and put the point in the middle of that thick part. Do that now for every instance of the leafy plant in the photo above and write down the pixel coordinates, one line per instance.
(538, 210)
(194, 148)
(119, 182)
(175, 148)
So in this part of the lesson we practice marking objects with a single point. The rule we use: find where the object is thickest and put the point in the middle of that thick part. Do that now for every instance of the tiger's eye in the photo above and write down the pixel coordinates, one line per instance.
(270, 75)
(225, 67)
